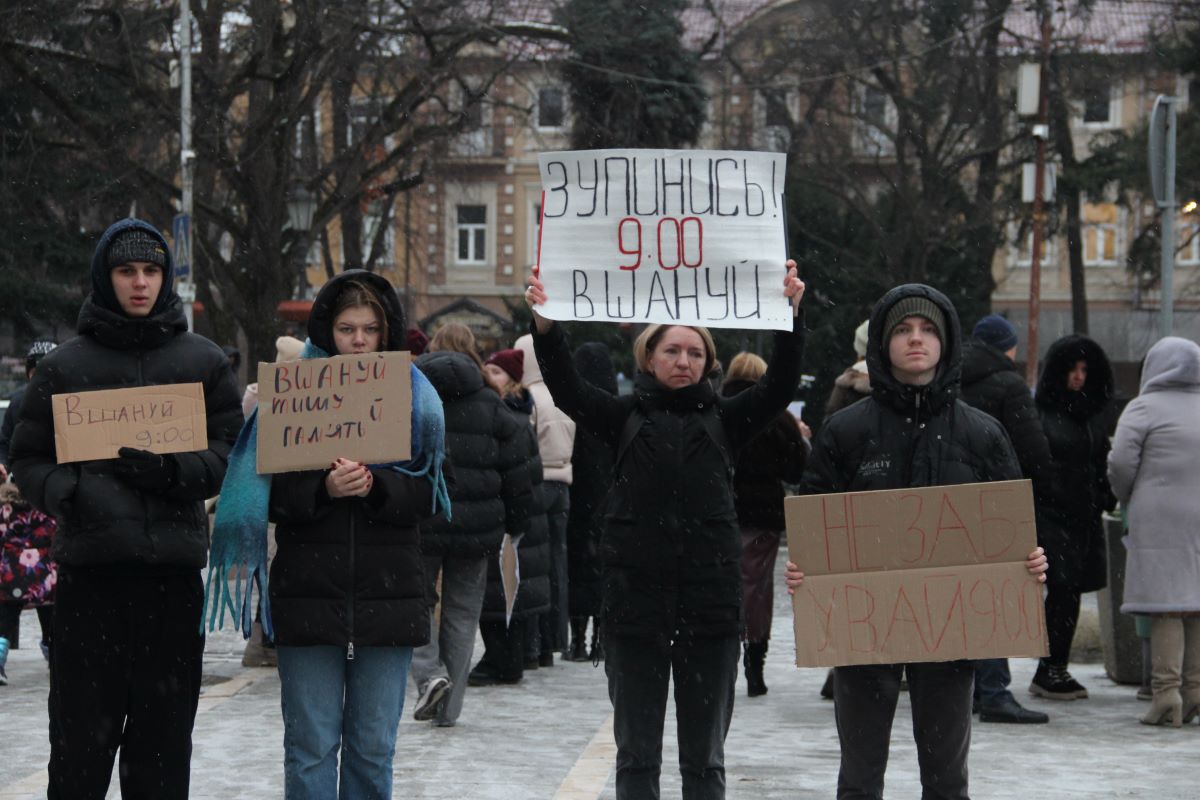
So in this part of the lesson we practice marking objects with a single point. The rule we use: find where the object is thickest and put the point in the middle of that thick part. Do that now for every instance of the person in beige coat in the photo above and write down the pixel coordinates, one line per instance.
(556, 442)
(1154, 469)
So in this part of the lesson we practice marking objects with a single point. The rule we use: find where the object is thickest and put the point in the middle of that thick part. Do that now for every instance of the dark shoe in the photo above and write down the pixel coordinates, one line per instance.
(827, 687)
(577, 650)
(532, 662)
(482, 675)
(1012, 711)
(1055, 683)
(546, 659)
(431, 698)
(753, 660)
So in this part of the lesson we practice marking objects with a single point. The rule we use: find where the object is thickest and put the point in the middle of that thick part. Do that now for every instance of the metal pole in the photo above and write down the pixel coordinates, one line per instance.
(1039, 183)
(187, 157)
(1166, 316)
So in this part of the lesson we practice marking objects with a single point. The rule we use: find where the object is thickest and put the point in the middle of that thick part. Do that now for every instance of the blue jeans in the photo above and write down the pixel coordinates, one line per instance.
(991, 682)
(329, 703)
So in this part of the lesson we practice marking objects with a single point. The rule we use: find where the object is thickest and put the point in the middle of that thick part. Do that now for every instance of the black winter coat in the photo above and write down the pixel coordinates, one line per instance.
(671, 546)
(592, 468)
(992, 384)
(493, 476)
(905, 435)
(348, 570)
(533, 548)
(1069, 524)
(772, 458)
(102, 520)
(9, 425)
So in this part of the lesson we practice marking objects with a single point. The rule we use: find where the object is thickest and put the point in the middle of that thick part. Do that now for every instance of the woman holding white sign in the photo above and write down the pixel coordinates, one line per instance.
(670, 549)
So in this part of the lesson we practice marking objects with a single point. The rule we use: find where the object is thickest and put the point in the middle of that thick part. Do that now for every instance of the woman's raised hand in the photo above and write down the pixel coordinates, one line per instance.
(348, 478)
(793, 287)
(535, 295)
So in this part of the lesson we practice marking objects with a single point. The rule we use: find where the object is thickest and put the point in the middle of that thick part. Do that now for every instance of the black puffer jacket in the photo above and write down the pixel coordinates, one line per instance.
(592, 465)
(533, 548)
(671, 547)
(493, 476)
(1069, 525)
(770, 459)
(905, 435)
(348, 570)
(102, 519)
(992, 384)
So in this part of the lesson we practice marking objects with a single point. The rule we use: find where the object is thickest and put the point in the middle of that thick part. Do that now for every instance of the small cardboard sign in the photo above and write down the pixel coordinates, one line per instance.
(687, 237)
(162, 419)
(313, 411)
(928, 574)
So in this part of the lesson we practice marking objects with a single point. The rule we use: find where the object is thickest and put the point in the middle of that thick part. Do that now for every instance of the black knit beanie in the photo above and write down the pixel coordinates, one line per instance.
(914, 307)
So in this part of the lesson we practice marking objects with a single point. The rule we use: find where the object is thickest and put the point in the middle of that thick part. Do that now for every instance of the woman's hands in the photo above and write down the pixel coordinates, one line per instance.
(535, 295)
(1037, 564)
(348, 478)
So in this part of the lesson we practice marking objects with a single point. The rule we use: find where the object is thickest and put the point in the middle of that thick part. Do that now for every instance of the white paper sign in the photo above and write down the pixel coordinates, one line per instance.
(693, 237)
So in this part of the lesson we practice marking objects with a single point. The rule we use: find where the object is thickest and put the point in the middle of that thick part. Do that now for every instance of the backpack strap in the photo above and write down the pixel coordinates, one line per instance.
(710, 419)
(629, 432)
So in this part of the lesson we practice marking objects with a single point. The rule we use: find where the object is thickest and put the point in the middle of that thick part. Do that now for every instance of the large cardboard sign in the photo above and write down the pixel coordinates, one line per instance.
(162, 419)
(929, 574)
(692, 237)
(314, 411)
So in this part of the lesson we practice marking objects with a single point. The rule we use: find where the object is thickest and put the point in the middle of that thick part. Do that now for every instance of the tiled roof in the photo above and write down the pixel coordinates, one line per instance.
(1108, 27)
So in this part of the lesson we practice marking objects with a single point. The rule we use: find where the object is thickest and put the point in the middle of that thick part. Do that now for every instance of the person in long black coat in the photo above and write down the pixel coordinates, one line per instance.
(1074, 394)
(672, 584)
(592, 462)
(770, 459)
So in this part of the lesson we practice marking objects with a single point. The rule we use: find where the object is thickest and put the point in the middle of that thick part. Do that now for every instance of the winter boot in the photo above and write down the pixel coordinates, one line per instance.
(1191, 668)
(577, 651)
(597, 654)
(3, 660)
(1166, 664)
(1053, 682)
(756, 654)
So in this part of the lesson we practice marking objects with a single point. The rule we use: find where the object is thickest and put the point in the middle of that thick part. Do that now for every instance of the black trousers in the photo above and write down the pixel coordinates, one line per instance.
(639, 672)
(865, 706)
(10, 623)
(504, 646)
(125, 675)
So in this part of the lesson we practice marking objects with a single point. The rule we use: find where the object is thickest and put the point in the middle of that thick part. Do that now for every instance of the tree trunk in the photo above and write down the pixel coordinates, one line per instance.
(1064, 145)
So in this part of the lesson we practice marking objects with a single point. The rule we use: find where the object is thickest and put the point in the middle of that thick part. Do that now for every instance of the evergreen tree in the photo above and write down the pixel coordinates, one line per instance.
(632, 82)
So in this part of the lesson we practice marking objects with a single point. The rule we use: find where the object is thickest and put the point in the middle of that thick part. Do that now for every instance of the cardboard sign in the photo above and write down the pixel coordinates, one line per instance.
(691, 237)
(161, 419)
(929, 574)
(314, 411)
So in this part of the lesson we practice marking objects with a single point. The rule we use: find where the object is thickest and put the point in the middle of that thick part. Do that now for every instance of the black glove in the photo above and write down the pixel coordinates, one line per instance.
(144, 470)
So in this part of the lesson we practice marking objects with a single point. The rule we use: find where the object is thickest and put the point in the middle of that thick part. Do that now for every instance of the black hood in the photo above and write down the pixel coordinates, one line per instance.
(980, 359)
(454, 375)
(103, 295)
(594, 364)
(1052, 391)
(320, 321)
(943, 389)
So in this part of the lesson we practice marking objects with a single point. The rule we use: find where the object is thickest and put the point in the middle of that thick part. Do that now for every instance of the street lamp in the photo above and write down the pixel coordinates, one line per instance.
(301, 208)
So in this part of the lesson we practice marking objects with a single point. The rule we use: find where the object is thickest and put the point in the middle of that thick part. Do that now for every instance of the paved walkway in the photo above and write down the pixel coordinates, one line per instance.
(550, 739)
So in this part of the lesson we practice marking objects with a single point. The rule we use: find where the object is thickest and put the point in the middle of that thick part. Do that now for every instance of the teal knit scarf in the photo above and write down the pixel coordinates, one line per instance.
(239, 540)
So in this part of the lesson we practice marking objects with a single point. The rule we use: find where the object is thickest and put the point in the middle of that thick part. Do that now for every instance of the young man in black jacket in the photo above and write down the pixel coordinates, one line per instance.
(132, 533)
(912, 431)
(992, 384)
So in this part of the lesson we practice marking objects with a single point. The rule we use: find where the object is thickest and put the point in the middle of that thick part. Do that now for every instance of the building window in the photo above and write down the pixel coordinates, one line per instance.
(1099, 104)
(472, 234)
(1187, 239)
(1103, 234)
(877, 118)
(551, 108)
(1020, 249)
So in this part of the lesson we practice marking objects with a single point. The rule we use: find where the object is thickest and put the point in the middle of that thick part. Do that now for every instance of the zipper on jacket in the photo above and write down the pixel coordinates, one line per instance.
(350, 592)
